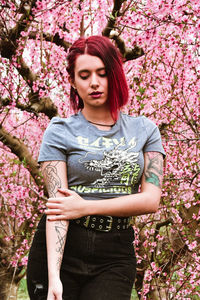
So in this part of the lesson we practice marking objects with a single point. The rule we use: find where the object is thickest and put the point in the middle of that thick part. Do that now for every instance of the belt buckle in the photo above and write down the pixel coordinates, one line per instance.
(87, 220)
(108, 227)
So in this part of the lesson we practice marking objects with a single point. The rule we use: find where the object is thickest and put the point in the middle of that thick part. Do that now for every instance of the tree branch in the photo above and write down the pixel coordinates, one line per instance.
(42, 105)
(52, 38)
(112, 19)
(36, 105)
(8, 43)
(28, 75)
(4, 102)
(8, 48)
(21, 151)
(128, 54)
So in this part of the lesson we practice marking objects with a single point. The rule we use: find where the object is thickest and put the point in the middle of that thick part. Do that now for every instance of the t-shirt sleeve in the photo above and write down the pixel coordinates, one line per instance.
(154, 142)
(53, 145)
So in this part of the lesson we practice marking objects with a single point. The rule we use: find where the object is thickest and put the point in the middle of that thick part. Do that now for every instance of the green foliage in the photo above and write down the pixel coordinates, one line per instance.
(134, 295)
(22, 291)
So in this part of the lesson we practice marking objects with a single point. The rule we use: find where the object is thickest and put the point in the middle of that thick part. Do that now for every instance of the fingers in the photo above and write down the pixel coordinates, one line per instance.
(56, 218)
(51, 297)
(58, 199)
(53, 208)
(52, 211)
(65, 191)
(53, 204)
(54, 200)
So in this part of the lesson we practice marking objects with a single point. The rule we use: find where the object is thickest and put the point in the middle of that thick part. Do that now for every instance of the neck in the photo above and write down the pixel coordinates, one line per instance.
(98, 116)
(101, 124)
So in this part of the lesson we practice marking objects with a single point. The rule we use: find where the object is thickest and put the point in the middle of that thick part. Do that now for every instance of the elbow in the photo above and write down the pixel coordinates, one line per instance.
(155, 202)
(152, 202)
(153, 197)
(155, 208)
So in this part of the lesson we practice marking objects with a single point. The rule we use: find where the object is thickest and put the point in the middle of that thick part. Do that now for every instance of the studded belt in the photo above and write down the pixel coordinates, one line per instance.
(103, 223)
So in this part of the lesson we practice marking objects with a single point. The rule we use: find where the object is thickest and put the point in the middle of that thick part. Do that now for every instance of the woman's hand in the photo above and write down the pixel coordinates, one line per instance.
(55, 290)
(70, 206)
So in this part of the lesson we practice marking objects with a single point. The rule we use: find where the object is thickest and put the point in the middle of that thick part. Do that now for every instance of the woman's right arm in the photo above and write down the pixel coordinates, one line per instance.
(55, 176)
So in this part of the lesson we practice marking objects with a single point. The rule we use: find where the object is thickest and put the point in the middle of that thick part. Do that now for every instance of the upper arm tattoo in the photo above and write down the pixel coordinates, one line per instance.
(154, 168)
(51, 178)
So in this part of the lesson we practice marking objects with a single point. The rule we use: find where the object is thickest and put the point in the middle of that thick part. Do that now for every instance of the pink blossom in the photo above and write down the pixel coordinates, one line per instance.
(163, 86)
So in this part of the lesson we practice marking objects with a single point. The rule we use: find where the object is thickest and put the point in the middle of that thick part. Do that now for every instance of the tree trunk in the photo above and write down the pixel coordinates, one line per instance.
(157, 295)
(8, 286)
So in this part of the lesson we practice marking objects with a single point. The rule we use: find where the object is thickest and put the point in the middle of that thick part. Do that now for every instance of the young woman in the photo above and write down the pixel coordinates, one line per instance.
(93, 164)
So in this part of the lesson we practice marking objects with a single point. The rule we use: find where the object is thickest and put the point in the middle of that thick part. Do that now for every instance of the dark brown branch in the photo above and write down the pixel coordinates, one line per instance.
(42, 105)
(161, 224)
(195, 176)
(112, 19)
(35, 106)
(28, 75)
(128, 54)
(52, 38)
(4, 102)
(21, 151)
(8, 44)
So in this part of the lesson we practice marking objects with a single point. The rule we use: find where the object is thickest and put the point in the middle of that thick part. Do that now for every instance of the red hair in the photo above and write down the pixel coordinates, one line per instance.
(101, 47)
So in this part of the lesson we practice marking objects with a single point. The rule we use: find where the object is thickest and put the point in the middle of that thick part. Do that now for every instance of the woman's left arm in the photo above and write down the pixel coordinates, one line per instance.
(73, 206)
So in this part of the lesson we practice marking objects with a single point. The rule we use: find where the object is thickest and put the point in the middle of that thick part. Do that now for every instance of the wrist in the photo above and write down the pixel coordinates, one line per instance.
(53, 276)
(53, 271)
(91, 207)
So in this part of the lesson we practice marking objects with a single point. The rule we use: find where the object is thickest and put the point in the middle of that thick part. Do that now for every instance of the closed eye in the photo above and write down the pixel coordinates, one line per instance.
(102, 74)
(84, 74)
(84, 77)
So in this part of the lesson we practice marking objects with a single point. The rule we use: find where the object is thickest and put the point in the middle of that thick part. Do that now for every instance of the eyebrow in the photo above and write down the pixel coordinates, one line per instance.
(86, 70)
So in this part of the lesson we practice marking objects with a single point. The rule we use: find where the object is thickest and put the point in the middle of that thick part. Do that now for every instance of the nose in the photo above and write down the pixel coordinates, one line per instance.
(94, 83)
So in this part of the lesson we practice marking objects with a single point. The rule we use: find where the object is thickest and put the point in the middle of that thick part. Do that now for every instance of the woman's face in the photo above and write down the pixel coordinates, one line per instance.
(90, 80)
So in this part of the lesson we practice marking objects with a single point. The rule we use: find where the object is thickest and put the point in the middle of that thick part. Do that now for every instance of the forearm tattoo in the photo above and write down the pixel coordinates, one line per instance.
(52, 179)
(154, 169)
(61, 230)
(53, 182)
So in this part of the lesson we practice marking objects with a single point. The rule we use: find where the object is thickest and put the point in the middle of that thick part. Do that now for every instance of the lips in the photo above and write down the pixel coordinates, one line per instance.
(96, 94)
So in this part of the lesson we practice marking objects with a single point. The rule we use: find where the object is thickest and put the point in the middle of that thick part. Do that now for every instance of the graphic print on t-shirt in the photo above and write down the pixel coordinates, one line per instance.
(117, 166)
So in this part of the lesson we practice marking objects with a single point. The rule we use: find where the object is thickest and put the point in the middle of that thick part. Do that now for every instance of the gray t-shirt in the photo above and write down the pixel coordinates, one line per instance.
(101, 164)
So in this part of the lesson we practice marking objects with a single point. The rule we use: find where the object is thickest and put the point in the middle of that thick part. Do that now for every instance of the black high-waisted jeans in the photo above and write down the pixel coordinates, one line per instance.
(96, 265)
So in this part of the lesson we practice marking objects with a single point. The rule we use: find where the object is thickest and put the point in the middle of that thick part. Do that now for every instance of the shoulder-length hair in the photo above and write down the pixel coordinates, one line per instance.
(103, 48)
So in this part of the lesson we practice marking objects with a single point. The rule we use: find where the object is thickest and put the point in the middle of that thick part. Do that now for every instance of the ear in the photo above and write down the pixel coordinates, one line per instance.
(71, 82)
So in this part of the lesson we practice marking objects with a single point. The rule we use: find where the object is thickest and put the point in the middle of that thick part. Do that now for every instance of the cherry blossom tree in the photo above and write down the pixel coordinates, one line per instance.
(160, 43)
